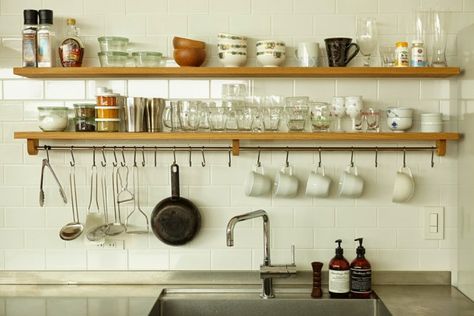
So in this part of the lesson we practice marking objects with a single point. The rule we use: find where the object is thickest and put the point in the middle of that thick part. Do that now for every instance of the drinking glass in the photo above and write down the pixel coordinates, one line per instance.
(189, 115)
(272, 112)
(245, 117)
(296, 113)
(217, 117)
(320, 113)
(366, 37)
(231, 112)
(354, 110)
(204, 115)
(372, 120)
(234, 90)
(256, 103)
(170, 115)
(387, 53)
(438, 27)
(338, 110)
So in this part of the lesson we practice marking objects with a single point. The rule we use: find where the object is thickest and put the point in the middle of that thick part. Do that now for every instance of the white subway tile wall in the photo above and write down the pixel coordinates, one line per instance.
(392, 232)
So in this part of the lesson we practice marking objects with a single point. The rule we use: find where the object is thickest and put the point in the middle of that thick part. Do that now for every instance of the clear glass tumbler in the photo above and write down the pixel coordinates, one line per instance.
(217, 117)
(296, 112)
(189, 115)
(320, 115)
(372, 120)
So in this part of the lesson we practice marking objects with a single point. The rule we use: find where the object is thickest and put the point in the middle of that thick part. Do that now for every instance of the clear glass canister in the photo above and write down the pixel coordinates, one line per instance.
(53, 119)
(107, 125)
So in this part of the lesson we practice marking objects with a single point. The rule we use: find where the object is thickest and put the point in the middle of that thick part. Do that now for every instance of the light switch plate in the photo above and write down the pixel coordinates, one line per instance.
(434, 222)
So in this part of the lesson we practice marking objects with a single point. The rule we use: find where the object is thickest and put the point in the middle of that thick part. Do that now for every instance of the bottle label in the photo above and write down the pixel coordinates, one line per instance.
(339, 281)
(45, 56)
(418, 58)
(29, 49)
(361, 280)
(401, 57)
(70, 52)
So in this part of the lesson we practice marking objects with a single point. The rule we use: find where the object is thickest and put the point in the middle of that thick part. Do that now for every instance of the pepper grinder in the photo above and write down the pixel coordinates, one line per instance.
(317, 292)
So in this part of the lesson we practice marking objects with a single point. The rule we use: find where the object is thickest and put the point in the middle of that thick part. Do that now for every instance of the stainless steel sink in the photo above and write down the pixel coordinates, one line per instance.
(235, 302)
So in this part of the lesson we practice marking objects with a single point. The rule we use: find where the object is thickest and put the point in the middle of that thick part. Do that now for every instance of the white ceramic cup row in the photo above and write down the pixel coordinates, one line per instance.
(351, 184)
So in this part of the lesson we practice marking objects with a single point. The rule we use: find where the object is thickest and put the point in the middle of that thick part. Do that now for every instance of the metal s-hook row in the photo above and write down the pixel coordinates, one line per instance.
(104, 160)
(73, 161)
(203, 162)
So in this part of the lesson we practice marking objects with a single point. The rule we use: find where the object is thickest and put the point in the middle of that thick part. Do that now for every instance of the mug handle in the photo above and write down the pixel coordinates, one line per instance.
(348, 170)
(323, 173)
(357, 49)
(406, 170)
(289, 168)
(258, 169)
(296, 53)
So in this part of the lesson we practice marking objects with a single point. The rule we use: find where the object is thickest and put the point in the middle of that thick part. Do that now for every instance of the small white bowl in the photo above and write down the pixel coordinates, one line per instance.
(233, 37)
(223, 47)
(271, 60)
(399, 124)
(270, 45)
(400, 112)
(232, 59)
(432, 127)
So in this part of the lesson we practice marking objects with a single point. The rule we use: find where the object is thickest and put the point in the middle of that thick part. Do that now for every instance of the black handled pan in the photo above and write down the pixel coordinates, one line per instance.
(175, 220)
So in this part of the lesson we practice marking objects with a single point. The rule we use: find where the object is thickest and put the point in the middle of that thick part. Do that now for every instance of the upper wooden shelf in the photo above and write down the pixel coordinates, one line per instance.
(440, 138)
(284, 72)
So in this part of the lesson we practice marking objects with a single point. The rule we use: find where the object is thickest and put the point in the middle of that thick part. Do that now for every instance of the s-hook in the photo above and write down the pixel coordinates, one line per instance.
(154, 156)
(143, 157)
(104, 160)
(47, 148)
(352, 157)
(174, 155)
(73, 161)
(376, 156)
(259, 164)
(319, 155)
(432, 158)
(123, 163)
(229, 153)
(287, 163)
(115, 162)
(190, 156)
(93, 157)
(135, 156)
(203, 162)
(404, 157)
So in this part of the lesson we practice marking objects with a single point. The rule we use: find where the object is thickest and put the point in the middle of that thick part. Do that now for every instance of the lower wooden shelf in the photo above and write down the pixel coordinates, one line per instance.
(440, 139)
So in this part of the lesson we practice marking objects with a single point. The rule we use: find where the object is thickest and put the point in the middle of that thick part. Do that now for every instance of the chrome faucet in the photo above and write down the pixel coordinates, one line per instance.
(267, 271)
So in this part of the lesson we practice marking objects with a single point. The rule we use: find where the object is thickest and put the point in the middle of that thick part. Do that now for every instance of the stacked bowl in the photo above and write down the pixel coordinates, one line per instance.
(271, 53)
(399, 119)
(431, 123)
(232, 49)
(189, 52)
(113, 51)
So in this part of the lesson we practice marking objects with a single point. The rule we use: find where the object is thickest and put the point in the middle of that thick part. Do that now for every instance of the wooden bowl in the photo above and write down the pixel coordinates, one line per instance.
(192, 57)
(181, 42)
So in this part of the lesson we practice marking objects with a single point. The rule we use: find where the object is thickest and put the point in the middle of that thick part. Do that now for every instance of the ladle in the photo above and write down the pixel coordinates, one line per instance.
(72, 230)
(94, 219)
(116, 227)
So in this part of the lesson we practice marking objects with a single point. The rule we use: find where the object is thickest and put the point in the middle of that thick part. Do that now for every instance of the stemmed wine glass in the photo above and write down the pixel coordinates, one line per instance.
(367, 38)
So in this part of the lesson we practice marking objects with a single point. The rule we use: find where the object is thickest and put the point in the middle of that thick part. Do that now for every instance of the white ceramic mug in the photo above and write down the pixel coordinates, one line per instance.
(318, 184)
(351, 185)
(257, 183)
(307, 54)
(404, 187)
(286, 184)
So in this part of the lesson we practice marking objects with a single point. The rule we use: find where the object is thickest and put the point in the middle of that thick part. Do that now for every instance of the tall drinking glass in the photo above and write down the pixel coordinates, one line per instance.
(367, 38)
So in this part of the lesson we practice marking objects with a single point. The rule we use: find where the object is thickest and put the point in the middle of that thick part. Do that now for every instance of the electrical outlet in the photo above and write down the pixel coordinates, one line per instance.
(109, 244)
(434, 222)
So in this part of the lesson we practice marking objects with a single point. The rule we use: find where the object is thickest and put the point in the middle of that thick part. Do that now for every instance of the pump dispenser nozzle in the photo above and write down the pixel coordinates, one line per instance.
(339, 250)
(360, 250)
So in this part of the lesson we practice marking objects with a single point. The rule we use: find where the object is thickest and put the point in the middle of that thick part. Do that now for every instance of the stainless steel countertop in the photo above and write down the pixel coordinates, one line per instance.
(401, 300)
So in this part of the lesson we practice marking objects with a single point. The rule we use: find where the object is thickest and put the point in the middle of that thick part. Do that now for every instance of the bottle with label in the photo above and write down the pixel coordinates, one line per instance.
(418, 54)
(361, 274)
(71, 49)
(401, 54)
(339, 274)
(29, 33)
(45, 52)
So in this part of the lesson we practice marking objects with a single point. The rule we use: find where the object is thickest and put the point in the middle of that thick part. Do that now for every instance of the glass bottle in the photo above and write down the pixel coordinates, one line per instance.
(29, 34)
(71, 49)
(45, 53)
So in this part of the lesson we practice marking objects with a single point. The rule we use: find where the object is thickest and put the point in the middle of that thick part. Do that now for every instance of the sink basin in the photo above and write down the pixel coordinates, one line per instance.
(234, 302)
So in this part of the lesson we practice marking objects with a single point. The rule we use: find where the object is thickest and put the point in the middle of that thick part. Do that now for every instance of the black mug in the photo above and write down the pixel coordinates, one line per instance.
(338, 51)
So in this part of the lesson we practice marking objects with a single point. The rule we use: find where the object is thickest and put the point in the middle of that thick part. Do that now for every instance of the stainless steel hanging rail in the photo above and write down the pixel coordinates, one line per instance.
(243, 148)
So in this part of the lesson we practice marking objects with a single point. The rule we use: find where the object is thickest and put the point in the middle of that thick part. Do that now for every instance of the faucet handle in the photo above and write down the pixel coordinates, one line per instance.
(293, 262)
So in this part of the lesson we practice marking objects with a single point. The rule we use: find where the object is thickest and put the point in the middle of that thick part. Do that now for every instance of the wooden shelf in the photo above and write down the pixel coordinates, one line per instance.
(284, 72)
(33, 138)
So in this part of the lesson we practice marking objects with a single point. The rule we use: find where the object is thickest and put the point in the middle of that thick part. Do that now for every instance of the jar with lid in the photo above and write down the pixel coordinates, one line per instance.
(107, 125)
(401, 54)
(84, 117)
(53, 119)
(418, 54)
(106, 97)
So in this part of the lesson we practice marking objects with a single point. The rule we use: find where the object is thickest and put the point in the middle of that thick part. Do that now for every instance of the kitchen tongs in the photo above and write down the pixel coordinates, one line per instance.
(44, 164)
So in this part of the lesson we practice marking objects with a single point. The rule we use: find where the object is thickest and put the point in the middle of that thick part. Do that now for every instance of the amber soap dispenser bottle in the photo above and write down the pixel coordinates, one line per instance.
(361, 274)
(339, 274)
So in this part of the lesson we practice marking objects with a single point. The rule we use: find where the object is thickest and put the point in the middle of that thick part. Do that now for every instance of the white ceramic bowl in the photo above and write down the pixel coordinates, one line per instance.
(232, 59)
(430, 118)
(270, 45)
(271, 60)
(399, 124)
(432, 127)
(232, 37)
(400, 112)
(224, 47)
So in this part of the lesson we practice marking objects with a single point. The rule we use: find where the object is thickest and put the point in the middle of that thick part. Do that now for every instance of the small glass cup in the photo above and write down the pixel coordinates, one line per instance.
(234, 90)
(371, 118)
(320, 115)
(189, 115)
(231, 112)
(217, 117)
(387, 54)
(296, 112)
(272, 112)
(245, 117)
(170, 116)
(204, 115)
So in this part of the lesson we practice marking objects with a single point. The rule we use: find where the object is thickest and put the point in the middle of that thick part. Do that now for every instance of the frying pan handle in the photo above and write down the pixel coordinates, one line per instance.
(174, 181)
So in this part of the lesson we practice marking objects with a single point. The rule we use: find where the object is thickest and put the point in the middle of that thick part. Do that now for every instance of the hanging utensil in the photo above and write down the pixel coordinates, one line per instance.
(116, 227)
(44, 164)
(74, 229)
(137, 220)
(93, 219)
(100, 232)
(175, 220)
(124, 194)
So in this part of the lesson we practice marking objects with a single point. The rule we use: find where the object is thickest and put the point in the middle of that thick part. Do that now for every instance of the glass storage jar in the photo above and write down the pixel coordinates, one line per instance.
(53, 119)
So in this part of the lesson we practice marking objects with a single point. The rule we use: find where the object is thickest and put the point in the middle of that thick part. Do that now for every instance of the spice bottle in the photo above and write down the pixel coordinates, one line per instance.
(29, 38)
(418, 55)
(71, 49)
(45, 52)
(339, 274)
(401, 54)
(361, 274)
